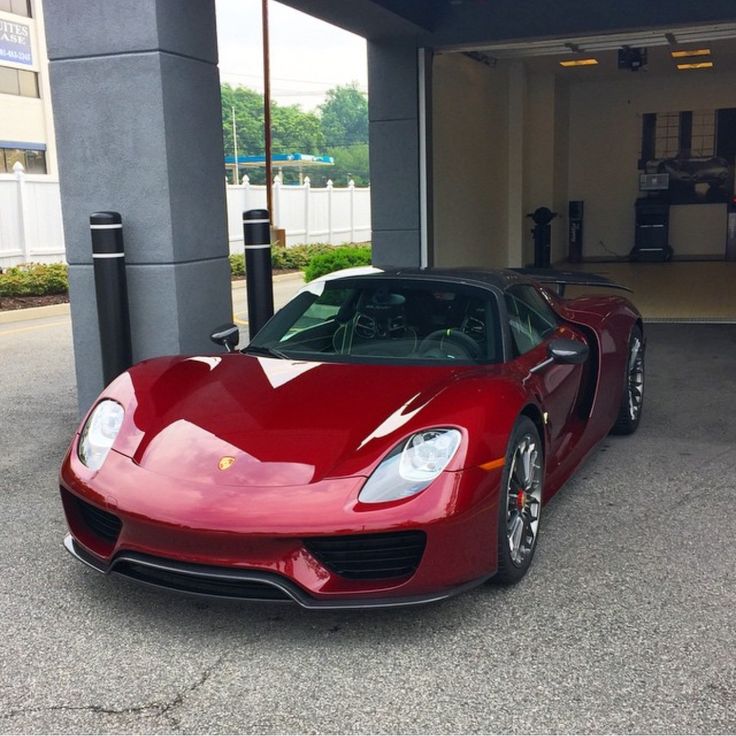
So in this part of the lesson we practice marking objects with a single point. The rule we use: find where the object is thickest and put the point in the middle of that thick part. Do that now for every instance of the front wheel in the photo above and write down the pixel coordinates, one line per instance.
(632, 401)
(520, 502)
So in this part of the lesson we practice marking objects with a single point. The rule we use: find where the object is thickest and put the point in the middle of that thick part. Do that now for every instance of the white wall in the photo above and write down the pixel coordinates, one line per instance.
(605, 141)
(470, 144)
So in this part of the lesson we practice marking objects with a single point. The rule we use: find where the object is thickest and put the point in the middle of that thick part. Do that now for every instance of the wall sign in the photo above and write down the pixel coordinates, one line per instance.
(15, 43)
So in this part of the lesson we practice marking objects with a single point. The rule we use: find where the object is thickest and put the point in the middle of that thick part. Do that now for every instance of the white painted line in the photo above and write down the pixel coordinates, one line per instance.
(117, 226)
(108, 255)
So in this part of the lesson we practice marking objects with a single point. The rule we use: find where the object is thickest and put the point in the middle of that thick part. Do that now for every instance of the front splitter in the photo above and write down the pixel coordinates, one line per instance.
(230, 577)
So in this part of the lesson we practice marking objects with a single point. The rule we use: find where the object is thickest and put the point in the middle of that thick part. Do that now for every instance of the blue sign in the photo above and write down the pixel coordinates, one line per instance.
(15, 43)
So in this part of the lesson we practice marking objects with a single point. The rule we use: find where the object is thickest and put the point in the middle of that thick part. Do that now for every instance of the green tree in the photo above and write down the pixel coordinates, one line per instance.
(248, 106)
(295, 131)
(345, 116)
(351, 162)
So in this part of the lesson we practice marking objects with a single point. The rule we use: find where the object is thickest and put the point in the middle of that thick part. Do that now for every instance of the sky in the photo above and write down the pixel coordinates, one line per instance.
(308, 56)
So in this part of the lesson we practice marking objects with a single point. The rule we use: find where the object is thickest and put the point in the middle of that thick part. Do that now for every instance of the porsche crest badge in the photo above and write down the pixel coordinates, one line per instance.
(226, 462)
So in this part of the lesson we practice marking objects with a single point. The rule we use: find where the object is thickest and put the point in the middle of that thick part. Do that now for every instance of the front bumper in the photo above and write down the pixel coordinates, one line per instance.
(251, 543)
(234, 584)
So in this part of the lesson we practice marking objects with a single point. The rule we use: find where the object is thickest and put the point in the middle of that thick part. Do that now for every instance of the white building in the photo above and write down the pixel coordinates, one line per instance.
(26, 122)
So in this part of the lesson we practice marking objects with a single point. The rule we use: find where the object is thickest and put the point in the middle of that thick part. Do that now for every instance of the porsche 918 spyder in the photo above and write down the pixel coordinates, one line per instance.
(386, 438)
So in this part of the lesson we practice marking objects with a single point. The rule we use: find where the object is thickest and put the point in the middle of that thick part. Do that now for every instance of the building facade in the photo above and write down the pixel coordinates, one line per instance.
(26, 120)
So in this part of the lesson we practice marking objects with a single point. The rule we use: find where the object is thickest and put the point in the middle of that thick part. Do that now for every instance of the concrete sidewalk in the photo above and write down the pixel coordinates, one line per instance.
(284, 287)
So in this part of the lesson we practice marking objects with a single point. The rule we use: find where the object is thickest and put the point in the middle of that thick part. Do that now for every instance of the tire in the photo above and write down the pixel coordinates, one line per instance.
(632, 400)
(518, 517)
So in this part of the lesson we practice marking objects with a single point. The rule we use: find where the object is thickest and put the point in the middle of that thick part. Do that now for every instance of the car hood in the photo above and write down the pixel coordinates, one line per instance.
(245, 420)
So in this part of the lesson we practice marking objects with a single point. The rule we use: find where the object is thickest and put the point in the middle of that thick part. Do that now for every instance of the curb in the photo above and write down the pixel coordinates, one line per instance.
(56, 310)
(21, 315)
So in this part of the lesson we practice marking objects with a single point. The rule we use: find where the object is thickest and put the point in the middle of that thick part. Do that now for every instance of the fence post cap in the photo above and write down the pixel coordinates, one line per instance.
(18, 168)
(330, 184)
(351, 184)
(307, 181)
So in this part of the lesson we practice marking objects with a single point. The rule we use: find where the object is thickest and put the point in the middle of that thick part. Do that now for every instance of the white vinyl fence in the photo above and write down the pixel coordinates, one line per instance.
(308, 214)
(30, 219)
(31, 227)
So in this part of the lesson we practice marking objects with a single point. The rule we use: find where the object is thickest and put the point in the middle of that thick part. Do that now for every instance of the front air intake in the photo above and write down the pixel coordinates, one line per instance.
(101, 524)
(370, 556)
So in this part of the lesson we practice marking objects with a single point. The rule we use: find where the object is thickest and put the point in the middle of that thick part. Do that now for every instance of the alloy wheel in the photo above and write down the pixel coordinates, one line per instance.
(524, 500)
(635, 384)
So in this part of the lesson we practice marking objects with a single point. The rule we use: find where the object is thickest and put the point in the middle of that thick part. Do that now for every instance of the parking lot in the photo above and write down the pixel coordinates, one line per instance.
(625, 623)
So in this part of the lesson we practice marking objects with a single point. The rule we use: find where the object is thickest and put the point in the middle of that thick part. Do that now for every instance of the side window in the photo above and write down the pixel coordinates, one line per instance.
(530, 318)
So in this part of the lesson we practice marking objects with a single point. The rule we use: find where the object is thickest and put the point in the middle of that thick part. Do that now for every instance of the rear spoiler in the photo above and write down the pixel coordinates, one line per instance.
(561, 279)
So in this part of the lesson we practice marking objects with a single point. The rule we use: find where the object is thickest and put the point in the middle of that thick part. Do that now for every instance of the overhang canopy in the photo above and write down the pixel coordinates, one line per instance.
(441, 23)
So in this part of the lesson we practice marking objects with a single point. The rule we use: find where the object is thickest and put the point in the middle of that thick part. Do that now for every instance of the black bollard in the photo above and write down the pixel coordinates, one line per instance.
(258, 272)
(112, 293)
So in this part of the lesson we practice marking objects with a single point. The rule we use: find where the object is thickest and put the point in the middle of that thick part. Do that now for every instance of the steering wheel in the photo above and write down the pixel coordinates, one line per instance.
(454, 335)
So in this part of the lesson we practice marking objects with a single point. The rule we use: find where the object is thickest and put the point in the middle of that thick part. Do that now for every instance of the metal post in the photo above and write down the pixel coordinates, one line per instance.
(258, 274)
(112, 293)
(267, 132)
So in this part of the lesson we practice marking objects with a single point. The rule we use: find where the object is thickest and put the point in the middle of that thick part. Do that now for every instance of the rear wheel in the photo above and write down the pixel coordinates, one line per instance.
(520, 502)
(632, 401)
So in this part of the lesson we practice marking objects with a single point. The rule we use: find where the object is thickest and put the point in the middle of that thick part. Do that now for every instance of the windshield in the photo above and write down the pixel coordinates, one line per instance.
(386, 321)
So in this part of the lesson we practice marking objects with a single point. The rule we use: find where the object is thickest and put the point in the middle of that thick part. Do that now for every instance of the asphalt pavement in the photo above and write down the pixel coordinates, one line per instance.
(625, 623)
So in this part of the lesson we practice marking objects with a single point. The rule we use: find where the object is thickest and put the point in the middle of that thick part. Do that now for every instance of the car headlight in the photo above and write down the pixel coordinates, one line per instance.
(99, 432)
(411, 466)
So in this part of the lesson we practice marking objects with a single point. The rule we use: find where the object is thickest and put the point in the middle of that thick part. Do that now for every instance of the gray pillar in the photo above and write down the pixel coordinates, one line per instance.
(393, 87)
(137, 111)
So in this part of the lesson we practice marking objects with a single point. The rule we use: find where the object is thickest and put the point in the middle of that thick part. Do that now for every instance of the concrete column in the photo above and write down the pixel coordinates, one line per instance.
(516, 222)
(394, 153)
(137, 113)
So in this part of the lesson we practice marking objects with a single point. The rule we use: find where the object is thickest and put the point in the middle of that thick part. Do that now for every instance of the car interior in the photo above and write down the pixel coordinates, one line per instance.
(425, 322)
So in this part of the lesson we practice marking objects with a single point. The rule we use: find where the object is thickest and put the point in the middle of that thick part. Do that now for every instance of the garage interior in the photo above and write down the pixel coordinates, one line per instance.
(598, 120)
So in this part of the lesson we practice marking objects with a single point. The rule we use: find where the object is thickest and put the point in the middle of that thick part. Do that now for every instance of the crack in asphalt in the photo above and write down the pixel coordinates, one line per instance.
(161, 708)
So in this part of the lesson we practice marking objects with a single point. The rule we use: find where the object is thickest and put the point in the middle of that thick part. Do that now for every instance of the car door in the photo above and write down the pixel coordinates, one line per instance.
(532, 326)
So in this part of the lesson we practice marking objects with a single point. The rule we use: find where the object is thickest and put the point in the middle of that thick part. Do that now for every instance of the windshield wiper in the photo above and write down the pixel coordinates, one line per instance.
(263, 350)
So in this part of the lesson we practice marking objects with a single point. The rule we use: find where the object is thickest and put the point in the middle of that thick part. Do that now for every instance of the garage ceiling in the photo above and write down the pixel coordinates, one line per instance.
(544, 56)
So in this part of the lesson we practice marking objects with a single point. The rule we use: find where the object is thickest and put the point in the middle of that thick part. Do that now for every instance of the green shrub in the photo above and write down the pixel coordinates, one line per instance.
(297, 256)
(34, 279)
(344, 256)
(294, 258)
(237, 264)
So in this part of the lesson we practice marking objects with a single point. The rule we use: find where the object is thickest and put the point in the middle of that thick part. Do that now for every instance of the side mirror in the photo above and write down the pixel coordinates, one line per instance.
(568, 351)
(227, 335)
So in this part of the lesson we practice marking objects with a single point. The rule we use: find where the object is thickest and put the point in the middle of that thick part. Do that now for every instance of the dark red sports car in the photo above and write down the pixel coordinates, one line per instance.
(385, 439)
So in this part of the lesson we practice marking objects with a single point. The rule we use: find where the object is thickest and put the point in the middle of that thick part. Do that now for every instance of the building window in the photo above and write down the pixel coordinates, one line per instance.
(18, 82)
(667, 135)
(33, 161)
(19, 7)
(704, 133)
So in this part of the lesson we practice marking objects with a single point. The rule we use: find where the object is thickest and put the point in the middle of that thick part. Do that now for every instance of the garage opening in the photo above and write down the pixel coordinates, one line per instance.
(630, 138)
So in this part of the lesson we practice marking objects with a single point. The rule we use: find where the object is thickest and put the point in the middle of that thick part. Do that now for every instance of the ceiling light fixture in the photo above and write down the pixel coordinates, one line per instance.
(687, 53)
(578, 62)
(696, 65)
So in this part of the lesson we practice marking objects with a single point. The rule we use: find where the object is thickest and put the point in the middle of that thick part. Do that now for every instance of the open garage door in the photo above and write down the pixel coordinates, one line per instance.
(630, 138)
